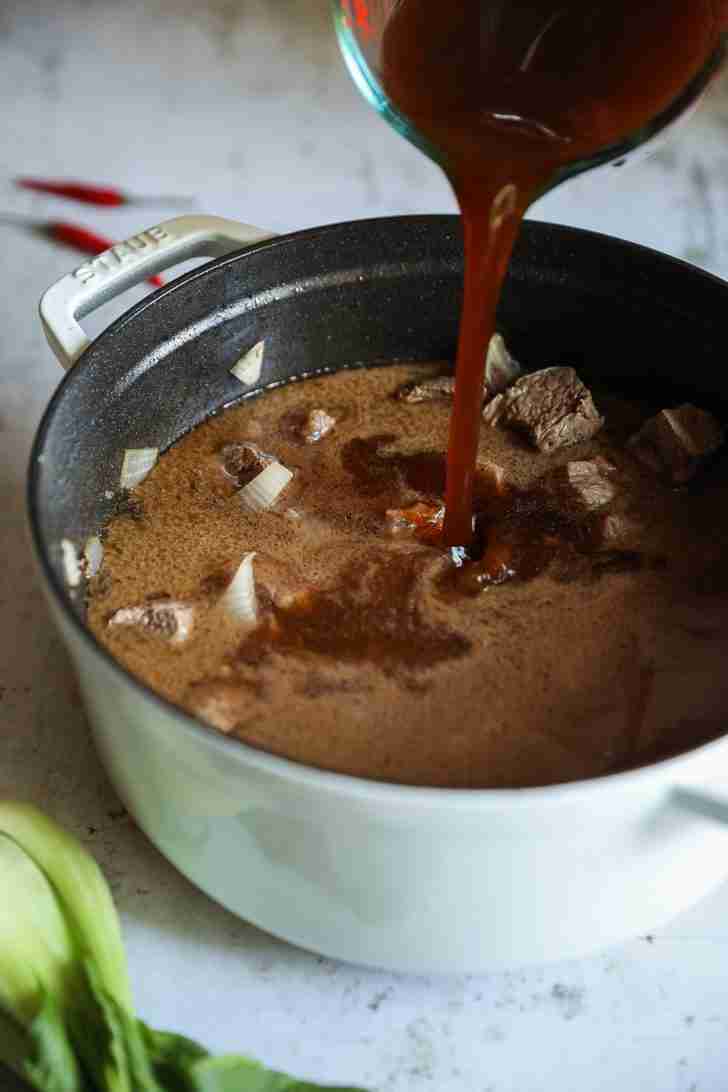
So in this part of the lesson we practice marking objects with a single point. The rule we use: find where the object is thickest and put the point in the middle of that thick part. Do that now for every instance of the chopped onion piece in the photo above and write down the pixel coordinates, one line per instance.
(93, 555)
(265, 488)
(500, 368)
(138, 461)
(71, 567)
(240, 599)
(248, 368)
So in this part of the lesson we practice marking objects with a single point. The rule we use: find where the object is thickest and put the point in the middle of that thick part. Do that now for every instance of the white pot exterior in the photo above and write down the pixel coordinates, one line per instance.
(421, 880)
(404, 878)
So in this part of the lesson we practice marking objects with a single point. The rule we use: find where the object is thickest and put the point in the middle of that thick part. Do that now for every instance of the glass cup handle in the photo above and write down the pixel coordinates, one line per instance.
(121, 266)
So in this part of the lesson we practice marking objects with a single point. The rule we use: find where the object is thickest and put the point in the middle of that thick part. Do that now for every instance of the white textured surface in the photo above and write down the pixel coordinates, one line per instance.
(246, 103)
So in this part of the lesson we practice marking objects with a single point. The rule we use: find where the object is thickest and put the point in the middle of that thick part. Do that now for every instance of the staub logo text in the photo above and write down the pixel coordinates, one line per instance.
(122, 254)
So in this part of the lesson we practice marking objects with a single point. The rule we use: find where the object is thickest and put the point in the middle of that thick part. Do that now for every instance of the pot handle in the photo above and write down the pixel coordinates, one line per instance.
(121, 266)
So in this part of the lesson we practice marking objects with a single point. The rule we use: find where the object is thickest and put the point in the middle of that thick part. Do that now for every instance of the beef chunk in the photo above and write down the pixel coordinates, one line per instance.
(244, 461)
(552, 407)
(165, 618)
(429, 390)
(676, 440)
(589, 481)
(317, 425)
(501, 370)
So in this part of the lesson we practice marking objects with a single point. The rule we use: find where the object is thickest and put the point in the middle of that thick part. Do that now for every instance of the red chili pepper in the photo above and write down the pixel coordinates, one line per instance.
(88, 242)
(107, 196)
(80, 238)
(76, 191)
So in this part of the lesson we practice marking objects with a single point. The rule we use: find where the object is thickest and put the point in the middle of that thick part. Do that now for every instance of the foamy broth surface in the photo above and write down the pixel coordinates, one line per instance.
(375, 655)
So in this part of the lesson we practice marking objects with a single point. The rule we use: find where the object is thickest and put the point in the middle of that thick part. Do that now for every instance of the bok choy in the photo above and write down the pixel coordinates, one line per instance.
(67, 1022)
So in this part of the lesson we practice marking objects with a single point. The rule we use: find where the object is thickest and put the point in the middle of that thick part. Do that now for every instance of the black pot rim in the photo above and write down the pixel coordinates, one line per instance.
(330, 780)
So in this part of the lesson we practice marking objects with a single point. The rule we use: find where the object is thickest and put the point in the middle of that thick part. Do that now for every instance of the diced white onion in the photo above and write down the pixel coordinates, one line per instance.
(138, 461)
(265, 488)
(93, 553)
(240, 599)
(248, 368)
(71, 567)
(500, 368)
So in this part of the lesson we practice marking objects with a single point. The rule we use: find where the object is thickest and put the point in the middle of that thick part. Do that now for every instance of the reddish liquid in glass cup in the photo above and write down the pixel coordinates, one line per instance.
(508, 94)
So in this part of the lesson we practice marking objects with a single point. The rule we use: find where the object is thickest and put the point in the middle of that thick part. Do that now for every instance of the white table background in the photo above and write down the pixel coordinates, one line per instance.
(246, 104)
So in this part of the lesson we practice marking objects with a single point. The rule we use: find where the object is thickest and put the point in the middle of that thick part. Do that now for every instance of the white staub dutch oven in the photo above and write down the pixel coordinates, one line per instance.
(409, 878)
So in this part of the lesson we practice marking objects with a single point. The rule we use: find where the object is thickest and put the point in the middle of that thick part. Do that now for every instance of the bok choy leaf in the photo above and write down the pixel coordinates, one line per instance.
(67, 1021)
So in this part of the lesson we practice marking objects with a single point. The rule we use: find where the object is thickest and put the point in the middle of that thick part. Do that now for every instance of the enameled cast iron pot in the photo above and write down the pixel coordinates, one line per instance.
(408, 878)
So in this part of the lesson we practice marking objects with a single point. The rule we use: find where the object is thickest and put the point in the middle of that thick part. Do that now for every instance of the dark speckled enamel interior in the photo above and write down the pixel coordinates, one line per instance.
(357, 294)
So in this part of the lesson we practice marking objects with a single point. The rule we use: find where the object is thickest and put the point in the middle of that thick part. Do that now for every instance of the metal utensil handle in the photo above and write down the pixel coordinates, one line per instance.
(107, 275)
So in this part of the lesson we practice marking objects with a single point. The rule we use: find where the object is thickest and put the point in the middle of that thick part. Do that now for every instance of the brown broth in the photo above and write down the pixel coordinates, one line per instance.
(376, 654)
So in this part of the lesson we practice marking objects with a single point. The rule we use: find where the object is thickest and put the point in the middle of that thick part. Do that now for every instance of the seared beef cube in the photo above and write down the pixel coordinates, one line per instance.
(501, 370)
(552, 407)
(590, 481)
(676, 440)
(165, 618)
(317, 425)
(428, 390)
(244, 461)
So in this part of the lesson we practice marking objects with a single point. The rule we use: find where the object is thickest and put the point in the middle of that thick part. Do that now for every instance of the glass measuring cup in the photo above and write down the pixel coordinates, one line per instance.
(361, 24)
(511, 97)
